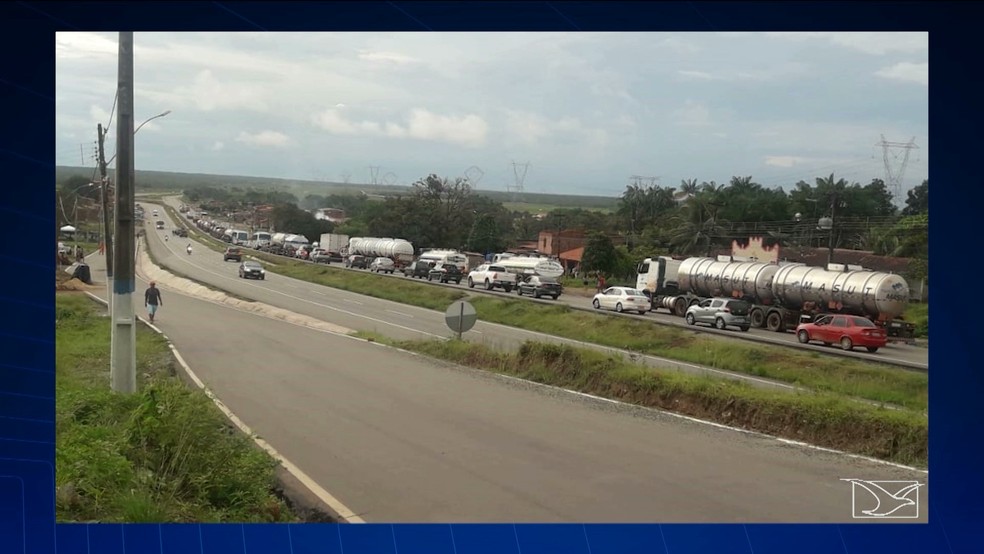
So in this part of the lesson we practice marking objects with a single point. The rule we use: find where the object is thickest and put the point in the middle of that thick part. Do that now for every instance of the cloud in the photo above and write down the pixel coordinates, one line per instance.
(877, 43)
(207, 93)
(906, 71)
(698, 75)
(386, 57)
(679, 45)
(219, 145)
(421, 124)
(99, 115)
(77, 46)
(692, 114)
(531, 128)
(783, 161)
(264, 138)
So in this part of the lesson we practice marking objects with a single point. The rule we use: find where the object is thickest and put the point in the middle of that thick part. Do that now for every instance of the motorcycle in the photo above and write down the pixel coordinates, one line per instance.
(189, 250)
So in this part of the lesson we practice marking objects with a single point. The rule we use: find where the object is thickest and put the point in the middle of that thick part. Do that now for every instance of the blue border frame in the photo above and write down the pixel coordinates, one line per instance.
(27, 335)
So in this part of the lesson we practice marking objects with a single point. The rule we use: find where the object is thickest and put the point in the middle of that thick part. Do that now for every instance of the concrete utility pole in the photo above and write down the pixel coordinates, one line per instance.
(107, 229)
(123, 361)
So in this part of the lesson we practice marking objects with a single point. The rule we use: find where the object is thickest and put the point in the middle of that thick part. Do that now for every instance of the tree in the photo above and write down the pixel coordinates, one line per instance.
(484, 236)
(599, 254)
(918, 200)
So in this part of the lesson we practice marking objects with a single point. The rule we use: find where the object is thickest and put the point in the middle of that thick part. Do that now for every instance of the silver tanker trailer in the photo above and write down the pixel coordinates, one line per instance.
(782, 296)
(398, 250)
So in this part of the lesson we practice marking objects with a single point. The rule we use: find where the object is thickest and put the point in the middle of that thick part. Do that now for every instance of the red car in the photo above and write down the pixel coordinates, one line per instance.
(847, 330)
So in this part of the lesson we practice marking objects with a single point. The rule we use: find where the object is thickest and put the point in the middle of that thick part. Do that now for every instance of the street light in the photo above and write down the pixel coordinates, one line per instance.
(138, 128)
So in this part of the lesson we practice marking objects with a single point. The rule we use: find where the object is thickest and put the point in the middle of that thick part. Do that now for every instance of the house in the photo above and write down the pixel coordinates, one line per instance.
(334, 215)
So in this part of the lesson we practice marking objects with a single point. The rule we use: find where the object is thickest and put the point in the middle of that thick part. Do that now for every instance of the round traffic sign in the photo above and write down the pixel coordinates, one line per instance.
(461, 316)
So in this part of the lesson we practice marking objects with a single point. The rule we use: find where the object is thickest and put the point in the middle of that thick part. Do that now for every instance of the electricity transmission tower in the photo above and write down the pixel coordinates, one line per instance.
(893, 179)
(474, 174)
(374, 174)
(517, 188)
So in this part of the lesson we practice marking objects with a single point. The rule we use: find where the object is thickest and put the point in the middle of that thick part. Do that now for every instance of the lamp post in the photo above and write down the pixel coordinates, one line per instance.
(827, 224)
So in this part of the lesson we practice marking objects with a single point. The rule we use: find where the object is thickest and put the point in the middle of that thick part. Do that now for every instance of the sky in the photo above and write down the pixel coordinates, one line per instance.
(567, 113)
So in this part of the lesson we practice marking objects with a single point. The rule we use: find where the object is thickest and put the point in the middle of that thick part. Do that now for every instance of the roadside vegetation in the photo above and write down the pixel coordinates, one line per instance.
(821, 419)
(164, 453)
(857, 378)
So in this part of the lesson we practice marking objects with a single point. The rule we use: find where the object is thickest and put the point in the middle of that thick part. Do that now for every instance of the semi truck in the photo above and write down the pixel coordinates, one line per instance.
(334, 244)
(521, 264)
(445, 257)
(398, 250)
(781, 295)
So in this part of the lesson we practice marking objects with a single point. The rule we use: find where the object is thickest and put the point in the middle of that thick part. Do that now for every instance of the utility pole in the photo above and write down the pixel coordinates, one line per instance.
(107, 233)
(123, 359)
(833, 215)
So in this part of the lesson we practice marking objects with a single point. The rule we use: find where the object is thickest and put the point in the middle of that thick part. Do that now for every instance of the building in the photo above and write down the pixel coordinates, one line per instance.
(334, 215)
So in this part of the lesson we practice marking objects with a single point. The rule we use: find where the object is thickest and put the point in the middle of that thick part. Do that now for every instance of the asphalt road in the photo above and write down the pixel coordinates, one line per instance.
(365, 313)
(399, 438)
(914, 357)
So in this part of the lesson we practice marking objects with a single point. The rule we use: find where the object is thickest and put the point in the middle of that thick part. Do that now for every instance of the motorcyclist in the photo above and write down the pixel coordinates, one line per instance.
(189, 248)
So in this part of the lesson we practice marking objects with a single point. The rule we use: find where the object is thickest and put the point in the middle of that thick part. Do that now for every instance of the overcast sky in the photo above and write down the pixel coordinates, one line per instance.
(585, 111)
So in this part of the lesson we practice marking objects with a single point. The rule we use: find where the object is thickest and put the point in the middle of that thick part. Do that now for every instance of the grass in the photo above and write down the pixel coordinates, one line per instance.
(836, 375)
(856, 378)
(818, 418)
(164, 453)
(918, 314)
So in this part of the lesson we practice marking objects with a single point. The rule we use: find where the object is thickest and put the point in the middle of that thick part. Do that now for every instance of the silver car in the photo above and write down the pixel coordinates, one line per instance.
(721, 313)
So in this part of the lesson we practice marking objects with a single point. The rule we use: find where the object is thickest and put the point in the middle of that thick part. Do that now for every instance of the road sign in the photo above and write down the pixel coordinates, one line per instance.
(460, 317)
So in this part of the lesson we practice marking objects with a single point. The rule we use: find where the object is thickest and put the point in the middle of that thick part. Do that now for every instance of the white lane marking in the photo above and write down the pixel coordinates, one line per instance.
(678, 416)
(346, 299)
(651, 357)
(341, 509)
(400, 313)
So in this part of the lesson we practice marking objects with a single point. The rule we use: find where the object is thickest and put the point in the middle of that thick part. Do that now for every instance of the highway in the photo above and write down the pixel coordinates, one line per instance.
(400, 438)
(904, 355)
(365, 313)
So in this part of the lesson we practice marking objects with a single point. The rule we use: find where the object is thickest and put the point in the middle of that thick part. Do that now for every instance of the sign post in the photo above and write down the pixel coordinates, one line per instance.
(460, 317)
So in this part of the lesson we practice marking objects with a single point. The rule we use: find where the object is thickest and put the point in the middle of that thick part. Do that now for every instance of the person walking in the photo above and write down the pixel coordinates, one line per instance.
(152, 300)
(601, 282)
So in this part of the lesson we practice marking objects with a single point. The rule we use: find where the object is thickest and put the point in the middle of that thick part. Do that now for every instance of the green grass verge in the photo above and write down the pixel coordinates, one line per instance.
(812, 370)
(918, 314)
(821, 419)
(856, 378)
(165, 453)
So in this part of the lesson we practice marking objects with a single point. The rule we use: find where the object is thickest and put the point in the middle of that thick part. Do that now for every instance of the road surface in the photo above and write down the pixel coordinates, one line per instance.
(910, 356)
(400, 438)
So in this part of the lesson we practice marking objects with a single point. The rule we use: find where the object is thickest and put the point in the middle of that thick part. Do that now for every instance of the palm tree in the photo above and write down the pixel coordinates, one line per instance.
(696, 226)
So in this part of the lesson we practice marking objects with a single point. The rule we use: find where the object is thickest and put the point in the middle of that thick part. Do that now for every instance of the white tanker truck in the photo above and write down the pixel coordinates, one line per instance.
(781, 296)
(520, 264)
(398, 250)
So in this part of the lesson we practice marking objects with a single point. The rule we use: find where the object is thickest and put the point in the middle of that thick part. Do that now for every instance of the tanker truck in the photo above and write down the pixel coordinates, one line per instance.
(784, 295)
(398, 250)
(524, 265)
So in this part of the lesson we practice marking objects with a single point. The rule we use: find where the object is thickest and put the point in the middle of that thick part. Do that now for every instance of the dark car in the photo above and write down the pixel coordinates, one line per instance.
(357, 261)
(251, 270)
(233, 253)
(446, 273)
(538, 286)
(320, 256)
(419, 268)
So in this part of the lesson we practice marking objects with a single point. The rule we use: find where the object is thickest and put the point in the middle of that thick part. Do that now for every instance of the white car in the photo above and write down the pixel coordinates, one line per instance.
(621, 299)
(492, 276)
(382, 265)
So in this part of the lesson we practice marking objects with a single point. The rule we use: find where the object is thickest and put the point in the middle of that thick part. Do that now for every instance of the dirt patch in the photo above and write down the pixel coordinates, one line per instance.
(73, 284)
